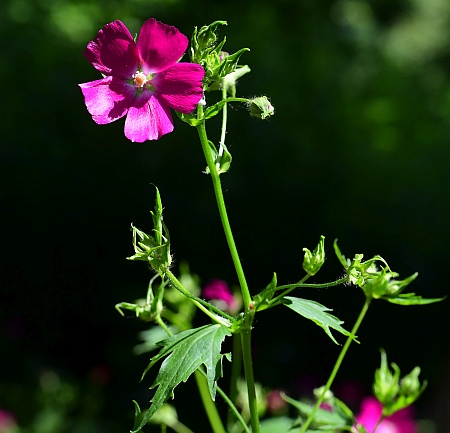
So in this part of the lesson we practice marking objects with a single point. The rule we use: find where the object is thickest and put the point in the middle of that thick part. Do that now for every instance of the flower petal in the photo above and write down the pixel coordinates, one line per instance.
(160, 46)
(148, 121)
(108, 99)
(180, 86)
(113, 51)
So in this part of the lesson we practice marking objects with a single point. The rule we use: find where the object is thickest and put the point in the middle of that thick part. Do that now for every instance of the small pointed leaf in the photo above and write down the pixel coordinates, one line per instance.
(137, 414)
(214, 109)
(263, 298)
(411, 299)
(318, 314)
(188, 118)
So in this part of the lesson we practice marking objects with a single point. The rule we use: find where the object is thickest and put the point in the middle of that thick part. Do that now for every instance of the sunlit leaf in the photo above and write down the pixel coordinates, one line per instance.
(318, 314)
(186, 352)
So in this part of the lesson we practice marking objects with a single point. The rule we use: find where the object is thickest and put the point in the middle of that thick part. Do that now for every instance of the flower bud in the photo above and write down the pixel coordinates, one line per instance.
(313, 261)
(386, 385)
(383, 285)
(328, 395)
(261, 107)
(166, 415)
(410, 383)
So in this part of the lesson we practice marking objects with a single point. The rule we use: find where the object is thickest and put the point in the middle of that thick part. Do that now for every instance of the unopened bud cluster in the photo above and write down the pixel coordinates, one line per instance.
(207, 51)
(393, 392)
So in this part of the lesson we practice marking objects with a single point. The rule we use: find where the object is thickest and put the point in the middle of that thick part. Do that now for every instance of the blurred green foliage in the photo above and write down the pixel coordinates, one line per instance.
(358, 149)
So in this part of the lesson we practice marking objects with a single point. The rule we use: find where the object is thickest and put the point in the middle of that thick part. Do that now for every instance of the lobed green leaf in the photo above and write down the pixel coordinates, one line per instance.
(186, 352)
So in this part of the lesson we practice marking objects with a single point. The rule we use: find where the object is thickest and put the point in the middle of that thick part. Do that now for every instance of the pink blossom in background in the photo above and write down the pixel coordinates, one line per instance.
(142, 79)
(218, 290)
(7, 421)
(275, 402)
(400, 422)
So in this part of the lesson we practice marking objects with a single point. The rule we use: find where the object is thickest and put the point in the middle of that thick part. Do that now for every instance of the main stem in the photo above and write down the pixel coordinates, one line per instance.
(337, 365)
(246, 336)
(248, 312)
(223, 213)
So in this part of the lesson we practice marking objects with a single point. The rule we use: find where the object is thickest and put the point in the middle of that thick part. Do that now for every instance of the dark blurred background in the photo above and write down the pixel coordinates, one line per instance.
(358, 150)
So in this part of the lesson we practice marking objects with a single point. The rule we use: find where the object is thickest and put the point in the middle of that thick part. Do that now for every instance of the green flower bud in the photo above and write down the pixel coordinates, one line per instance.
(386, 385)
(410, 383)
(207, 51)
(383, 285)
(261, 107)
(153, 249)
(206, 36)
(313, 261)
(395, 394)
(328, 395)
(166, 415)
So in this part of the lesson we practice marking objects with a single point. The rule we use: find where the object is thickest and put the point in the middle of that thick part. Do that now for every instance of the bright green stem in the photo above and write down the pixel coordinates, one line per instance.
(234, 410)
(290, 287)
(236, 364)
(223, 212)
(248, 369)
(229, 403)
(246, 331)
(337, 365)
(221, 320)
(210, 407)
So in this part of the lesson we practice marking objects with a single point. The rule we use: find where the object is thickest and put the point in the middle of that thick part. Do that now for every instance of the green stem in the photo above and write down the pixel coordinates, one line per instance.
(208, 404)
(245, 100)
(236, 364)
(248, 311)
(222, 319)
(223, 211)
(248, 370)
(164, 326)
(229, 403)
(338, 363)
(290, 287)
(234, 410)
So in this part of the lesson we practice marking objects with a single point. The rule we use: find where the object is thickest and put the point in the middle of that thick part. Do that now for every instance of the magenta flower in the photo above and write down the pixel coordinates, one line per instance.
(400, 422)
(142, 79)
(219, 292)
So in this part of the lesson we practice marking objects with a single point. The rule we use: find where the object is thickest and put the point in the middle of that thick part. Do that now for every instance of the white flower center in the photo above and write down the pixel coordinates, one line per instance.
(140, 79)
